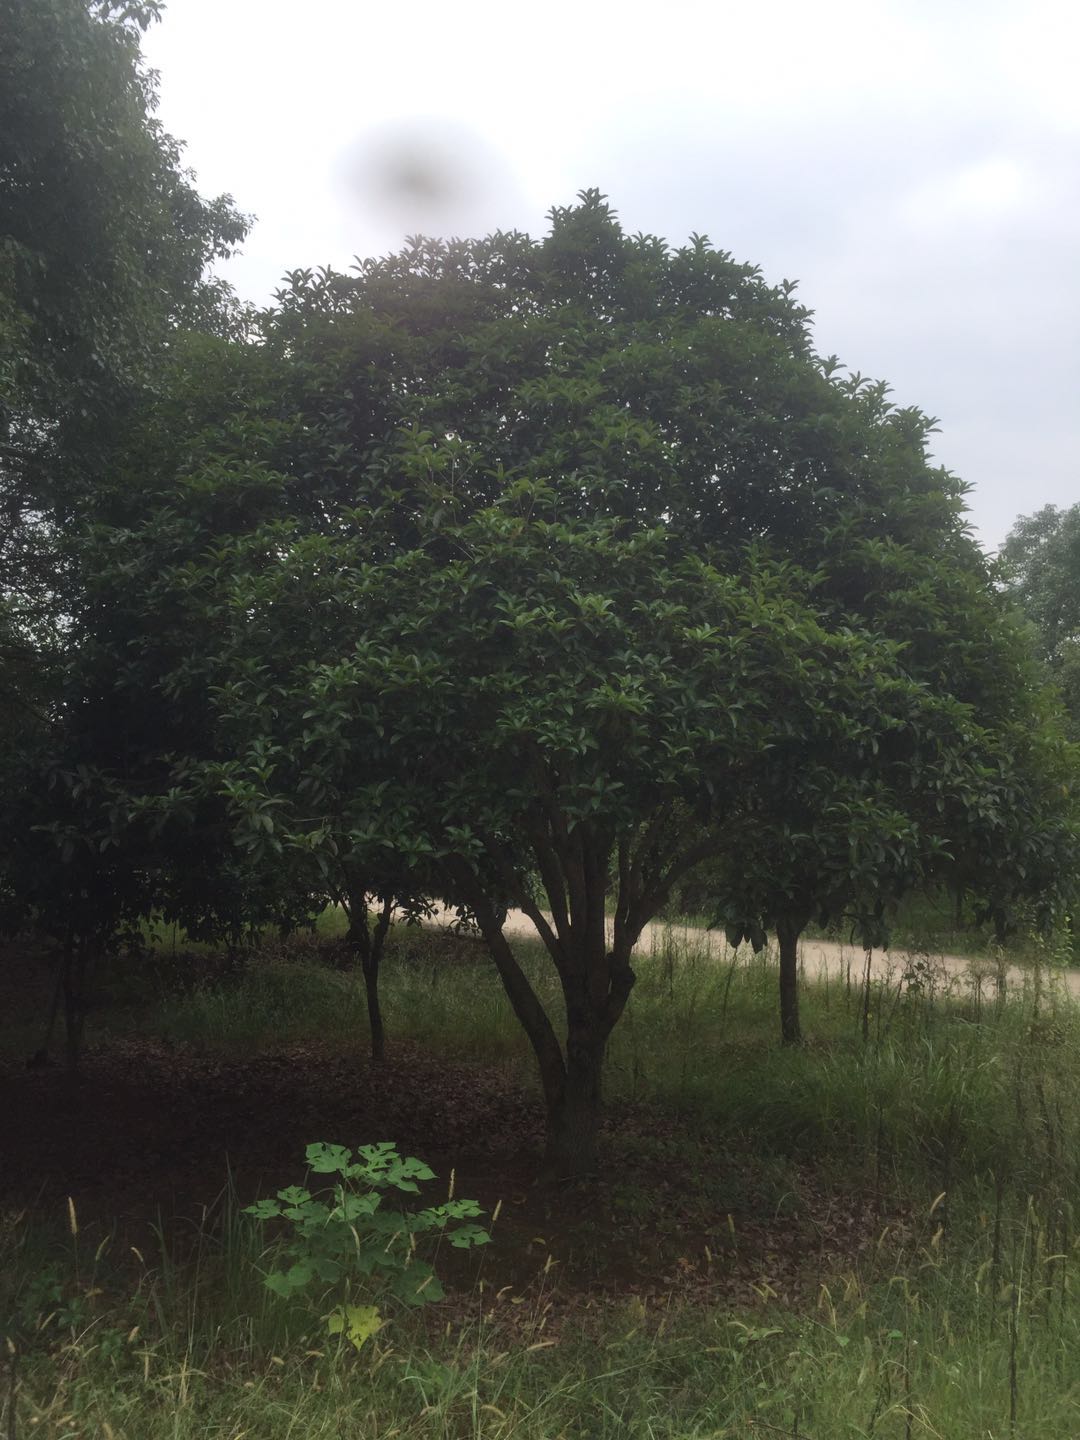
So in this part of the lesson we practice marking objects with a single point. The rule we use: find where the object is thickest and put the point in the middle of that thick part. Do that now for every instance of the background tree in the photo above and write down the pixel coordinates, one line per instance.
(195, 483)
(1040, 564)
(924, 796)
(104, 252)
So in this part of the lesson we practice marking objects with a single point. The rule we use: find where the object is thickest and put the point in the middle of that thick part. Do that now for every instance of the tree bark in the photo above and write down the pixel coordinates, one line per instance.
(523, 998)
(368, 945)
(79, 957)
(374, 1010)
(573, 1119)
(788, 931)
(40, 1056)
(596, 979)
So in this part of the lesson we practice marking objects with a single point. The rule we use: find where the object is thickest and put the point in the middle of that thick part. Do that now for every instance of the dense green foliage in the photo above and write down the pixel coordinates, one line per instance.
(1040, 561)
(104, 251)
(503, 571)
(546, 572)
(561, 574)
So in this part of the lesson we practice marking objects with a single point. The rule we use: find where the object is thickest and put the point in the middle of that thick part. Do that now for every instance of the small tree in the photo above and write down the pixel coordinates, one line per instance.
(960, 776)
(1040, 564)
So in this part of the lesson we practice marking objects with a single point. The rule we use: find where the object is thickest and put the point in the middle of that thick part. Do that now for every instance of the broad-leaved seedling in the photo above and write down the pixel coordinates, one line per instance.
(345, 1234)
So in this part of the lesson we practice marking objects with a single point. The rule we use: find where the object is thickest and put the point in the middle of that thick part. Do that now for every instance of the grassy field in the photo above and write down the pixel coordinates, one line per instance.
(852, 1238)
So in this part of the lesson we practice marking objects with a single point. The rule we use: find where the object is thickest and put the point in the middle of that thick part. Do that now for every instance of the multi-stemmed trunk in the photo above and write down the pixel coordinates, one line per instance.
(367, 941)
(579, 864)
(571, 1076)
(596, 979)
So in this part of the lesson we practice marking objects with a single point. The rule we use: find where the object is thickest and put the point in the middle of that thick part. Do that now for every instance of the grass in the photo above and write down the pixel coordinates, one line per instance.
(947, 1349)
(946, 1146)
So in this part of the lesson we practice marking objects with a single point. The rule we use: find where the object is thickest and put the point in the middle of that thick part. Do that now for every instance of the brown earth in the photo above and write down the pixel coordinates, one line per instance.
(151, 1133)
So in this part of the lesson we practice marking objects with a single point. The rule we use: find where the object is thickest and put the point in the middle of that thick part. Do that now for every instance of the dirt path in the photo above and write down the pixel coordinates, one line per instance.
(821, 959)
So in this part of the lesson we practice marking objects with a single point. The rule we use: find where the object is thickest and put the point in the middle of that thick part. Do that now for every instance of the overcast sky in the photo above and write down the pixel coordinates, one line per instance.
(914, 165)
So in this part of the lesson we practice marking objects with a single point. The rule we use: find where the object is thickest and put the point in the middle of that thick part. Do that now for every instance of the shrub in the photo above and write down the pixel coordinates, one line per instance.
(345, 1234)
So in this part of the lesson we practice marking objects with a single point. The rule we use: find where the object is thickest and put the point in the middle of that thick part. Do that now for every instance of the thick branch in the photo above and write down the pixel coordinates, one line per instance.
(652, 830)
(526, 1004)
(518, 893)
(594, 854)
(623, 979)
(566, 845)
(382, 927)
(622, 906)
(651, 900)
(548, 865)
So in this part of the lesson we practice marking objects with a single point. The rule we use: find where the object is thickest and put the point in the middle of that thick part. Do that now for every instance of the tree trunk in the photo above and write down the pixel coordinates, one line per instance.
(72, 1018)
(71, 1041)
(788, 931)
(369, 946)
(573, 1118)
(41, 1056)
(1001, 927)
(374, 1010)
(596, 980)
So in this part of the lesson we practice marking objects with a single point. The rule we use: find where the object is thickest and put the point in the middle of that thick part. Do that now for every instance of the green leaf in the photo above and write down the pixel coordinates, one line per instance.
(328, 1159)
(263, 1209)
(358, 1323)
(467, 1236)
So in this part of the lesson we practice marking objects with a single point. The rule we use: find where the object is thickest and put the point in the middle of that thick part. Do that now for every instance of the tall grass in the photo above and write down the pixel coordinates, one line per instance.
(942, 1347)
(953, 1121)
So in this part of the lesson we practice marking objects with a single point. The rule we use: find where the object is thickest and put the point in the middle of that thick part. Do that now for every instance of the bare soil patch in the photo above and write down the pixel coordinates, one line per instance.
(151, 1132)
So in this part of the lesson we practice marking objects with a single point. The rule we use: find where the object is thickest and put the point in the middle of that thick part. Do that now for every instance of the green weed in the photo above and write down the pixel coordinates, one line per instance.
(950, 1130)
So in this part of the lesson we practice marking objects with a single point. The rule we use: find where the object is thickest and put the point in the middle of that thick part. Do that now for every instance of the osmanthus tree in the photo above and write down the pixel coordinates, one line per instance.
(1014, 839)
(564, 710)
(968, 785)
(539, 566)
(1040, 565)
(927, 796)
(831, 825)
(675, 387)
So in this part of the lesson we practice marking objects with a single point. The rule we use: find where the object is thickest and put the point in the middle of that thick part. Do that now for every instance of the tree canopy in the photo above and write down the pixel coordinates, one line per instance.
(104, 250)
(105, 245)
(1040, 562)
(546, 571)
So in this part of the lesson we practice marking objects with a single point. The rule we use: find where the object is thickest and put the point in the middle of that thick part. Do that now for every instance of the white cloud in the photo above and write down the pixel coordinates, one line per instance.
(913, 163)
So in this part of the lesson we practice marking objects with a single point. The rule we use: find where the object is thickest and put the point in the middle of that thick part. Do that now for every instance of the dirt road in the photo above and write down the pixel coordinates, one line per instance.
(822, 958)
